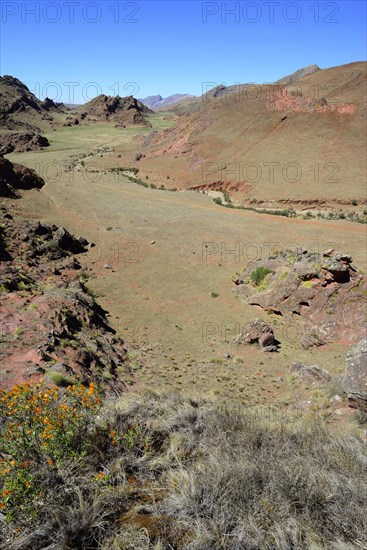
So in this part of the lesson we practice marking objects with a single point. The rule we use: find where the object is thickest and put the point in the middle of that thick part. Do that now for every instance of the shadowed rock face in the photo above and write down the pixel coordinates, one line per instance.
(22, 141)
(355, 380)
(325, 290)
(17, 176)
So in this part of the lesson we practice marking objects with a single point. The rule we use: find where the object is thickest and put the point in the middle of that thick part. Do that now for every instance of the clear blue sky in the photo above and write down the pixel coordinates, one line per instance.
(167, 47)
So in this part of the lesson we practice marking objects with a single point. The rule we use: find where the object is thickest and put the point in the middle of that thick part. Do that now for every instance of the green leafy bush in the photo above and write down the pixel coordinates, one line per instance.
(259, 274)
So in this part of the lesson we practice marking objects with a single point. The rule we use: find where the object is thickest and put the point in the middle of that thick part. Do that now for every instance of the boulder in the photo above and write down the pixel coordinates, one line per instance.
(314, 373)
(355, 380)
(68, 242)
(17, 176)
(311, 340)
(258, 331)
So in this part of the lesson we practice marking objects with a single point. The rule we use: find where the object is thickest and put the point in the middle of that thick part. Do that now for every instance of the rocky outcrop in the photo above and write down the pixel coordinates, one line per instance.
(47, 316)
(326, 290)
(49, 105)
(123, 111)
(21, 142)
(21, 110)
(16, 176)
(51, 327)
(355, 380)
(258, 332)
(312, 373)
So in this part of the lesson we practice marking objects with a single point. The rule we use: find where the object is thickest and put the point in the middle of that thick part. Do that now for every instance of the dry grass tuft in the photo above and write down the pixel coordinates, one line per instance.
(169, 472)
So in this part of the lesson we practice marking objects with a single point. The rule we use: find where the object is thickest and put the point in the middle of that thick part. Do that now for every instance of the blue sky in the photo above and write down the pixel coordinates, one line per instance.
(73, 50)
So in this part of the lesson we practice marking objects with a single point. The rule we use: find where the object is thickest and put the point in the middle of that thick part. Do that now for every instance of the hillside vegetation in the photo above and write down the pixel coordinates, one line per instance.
(169, 472)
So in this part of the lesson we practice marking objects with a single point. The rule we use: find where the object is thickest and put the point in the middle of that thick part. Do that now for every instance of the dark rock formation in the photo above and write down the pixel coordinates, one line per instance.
(16, 176)
(20, 142)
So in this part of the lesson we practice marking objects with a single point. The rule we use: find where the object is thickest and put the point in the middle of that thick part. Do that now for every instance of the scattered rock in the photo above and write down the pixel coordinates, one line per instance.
(336, 398)
(311, 340)
(73, 263)
(107, 266)
(355, 380)
(152, 242)
(311, 372)
(260, 332)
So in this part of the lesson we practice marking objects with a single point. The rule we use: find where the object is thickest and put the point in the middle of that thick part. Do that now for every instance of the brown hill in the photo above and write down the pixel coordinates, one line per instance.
(21, 110)
(124, 111)
(271, 142)
(298, 74)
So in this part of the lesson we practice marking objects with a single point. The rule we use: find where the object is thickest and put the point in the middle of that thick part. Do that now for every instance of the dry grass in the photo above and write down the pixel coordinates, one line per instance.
(180, 473)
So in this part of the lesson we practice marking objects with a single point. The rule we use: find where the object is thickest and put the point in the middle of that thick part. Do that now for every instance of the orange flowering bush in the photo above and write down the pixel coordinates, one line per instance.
(40, 427)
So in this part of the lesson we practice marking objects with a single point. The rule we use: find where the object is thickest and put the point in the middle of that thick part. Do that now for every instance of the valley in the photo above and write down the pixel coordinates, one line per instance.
(159, 295)
(183, 312)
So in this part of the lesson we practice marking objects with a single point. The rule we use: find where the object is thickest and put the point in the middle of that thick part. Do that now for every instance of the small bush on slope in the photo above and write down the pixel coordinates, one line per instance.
(163, 472)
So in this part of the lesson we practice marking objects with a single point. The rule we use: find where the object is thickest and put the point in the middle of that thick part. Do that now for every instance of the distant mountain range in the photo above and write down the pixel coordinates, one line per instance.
(156, 102)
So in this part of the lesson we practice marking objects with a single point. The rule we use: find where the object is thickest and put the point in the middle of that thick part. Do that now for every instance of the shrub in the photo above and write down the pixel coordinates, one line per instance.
(218, 200)
(259, 274)
(176, 472)
(61, 380)
(40, 429)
